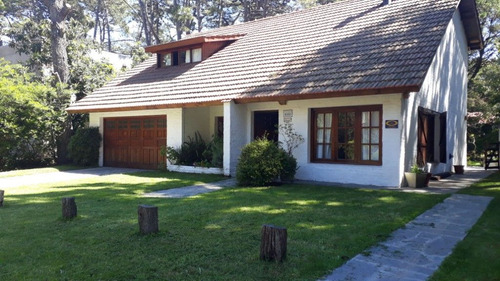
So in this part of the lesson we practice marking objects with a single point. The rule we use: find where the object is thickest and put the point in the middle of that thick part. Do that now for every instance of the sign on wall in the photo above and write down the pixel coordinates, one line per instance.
(391, 124)
(287, 115)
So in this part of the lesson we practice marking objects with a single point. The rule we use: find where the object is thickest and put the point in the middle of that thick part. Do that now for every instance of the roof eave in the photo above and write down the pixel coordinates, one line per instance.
(253, 99)
(470, 18)
(192, 41)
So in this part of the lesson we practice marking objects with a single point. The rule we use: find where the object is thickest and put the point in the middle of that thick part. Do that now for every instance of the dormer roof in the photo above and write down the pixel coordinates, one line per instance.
(192, 41)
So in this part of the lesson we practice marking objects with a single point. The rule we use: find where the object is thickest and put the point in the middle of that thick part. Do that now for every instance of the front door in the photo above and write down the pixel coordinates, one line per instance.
(265, 123)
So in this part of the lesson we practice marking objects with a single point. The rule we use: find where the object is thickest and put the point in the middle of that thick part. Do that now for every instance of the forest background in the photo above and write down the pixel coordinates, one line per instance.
(57, 36)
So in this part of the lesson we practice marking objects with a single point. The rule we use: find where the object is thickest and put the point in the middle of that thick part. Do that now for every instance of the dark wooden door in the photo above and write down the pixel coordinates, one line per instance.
(134, 142)
(265, 123)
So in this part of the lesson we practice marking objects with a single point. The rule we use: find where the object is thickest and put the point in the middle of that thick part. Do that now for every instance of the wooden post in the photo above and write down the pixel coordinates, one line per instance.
(273, 243)
(68, 207)
(148, 219)
(1, 197)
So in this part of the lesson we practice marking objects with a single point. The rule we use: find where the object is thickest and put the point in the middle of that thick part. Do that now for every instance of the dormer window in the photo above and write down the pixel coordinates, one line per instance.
(167, 59)
(196, 54)
(191, 50)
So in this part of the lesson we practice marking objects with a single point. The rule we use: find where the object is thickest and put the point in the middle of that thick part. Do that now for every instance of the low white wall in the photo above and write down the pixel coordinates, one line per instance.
(195, 170)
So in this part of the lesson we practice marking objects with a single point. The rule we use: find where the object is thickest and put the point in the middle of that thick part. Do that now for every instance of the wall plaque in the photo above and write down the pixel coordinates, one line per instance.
(391, 124)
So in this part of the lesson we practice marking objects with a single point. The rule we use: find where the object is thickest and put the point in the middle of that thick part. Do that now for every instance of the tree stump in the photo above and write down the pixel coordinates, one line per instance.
(1, 197)
(273, 243)
(148, 219)
(68, 207)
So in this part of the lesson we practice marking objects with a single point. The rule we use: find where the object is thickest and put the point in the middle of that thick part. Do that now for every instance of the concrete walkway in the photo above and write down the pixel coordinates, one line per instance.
(188, 191)
(415, 251)
(54, 177)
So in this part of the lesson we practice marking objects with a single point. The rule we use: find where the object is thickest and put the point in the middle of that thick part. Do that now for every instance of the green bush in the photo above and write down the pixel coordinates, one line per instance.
(259, 163)
(288, 166)
(195, 152)
(214, 154)
(84, 146)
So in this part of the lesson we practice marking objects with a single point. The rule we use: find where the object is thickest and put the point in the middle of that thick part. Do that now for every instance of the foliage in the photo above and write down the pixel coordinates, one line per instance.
(484, 109)
(196, 152)
(291, 138)
(28, 119)
(288, 166)
(196, 235)
(84, 146)
(214, 154)
(259, 163)
(416, 169)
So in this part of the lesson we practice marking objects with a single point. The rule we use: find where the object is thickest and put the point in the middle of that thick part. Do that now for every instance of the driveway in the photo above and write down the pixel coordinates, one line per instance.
(63, 176)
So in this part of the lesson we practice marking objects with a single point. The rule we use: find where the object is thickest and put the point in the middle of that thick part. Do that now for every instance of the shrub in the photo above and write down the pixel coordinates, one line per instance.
(259, 163)
(214, 154)
(84, 146)
(288, 166)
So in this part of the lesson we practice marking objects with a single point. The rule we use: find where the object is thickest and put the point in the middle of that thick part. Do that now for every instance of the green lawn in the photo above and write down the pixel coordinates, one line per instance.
(26, 172)
(477, 257)
(215, 236)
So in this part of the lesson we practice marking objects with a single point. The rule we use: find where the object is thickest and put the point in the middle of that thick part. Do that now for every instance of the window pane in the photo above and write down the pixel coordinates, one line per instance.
(167, 59)
(327, 135)
(188, 56)
(374, 135)
(345, 152)
(319, 120)
(319, 137)
(182, 57)
(365, 136)
(350, 135)
(365, 119)
(319, 151)
(328, 120)
(375, 153)
(365, 152)
(196, 55)
(341, 137)
(350, 119)
(328, 151)
(375, 119)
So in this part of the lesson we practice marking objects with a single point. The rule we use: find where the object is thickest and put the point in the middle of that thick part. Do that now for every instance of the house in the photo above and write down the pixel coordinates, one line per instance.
(372, 85)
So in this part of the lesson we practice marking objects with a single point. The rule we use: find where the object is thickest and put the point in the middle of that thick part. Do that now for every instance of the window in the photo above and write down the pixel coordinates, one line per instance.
(187, 56)
(196, 54)
(167, 59)
(350, 135)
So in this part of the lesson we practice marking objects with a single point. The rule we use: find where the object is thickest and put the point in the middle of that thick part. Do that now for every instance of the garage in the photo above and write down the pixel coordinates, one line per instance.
(134, 142)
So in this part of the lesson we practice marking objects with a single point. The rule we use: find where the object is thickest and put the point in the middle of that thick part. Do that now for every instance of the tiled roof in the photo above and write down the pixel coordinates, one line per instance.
(344, 48)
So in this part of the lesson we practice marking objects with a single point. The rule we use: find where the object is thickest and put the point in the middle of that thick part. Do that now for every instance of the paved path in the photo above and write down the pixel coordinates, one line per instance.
(62, 176)
(415, 251)
(188, 191)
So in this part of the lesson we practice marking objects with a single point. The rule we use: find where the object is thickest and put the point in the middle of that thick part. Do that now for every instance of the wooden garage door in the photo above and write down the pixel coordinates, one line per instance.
(134, 142)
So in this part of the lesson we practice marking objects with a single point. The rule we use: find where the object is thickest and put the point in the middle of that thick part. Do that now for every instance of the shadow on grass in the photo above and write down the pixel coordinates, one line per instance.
(213, 236)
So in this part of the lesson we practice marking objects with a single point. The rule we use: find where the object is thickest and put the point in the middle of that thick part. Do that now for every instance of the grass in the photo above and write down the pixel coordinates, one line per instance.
(27, 172)
(214, 236)
(477, 257)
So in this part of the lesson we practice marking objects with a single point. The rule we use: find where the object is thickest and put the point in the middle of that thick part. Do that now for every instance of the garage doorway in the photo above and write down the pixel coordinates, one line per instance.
(134, 142)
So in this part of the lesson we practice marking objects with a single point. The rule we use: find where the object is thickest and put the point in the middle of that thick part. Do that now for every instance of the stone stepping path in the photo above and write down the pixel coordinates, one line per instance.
(415, 252)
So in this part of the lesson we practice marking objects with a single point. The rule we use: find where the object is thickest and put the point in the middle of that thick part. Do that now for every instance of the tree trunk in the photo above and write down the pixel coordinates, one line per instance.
(68, 208)
(148, 219)
(145, 25)
(273, 243)
(1, 197)
(59, 10)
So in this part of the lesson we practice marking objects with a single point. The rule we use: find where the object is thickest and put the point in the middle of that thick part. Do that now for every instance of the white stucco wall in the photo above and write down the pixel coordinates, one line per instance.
(236, 128)
(174, 124)
(444, 90)
(359, 174)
